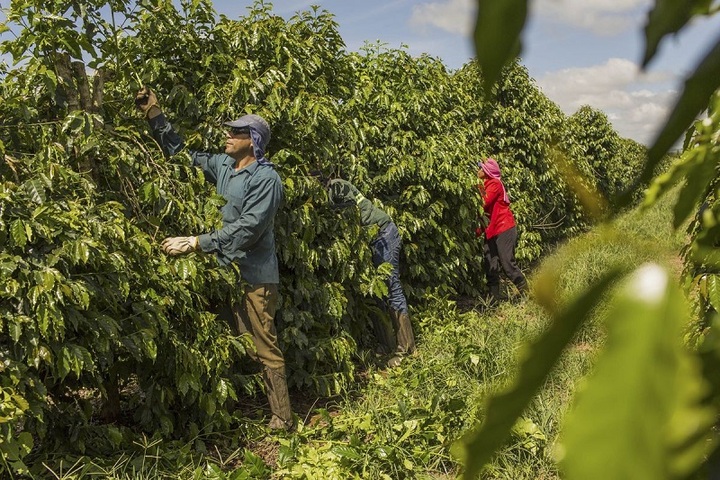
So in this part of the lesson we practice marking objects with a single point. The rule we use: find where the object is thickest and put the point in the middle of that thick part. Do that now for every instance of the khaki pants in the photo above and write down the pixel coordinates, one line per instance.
(255, 314)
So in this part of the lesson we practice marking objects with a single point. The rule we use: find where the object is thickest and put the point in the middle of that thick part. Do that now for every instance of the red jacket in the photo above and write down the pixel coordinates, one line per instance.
(496, 208)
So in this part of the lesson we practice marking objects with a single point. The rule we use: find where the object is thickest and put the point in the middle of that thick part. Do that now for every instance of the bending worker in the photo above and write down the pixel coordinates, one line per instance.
(385, 248)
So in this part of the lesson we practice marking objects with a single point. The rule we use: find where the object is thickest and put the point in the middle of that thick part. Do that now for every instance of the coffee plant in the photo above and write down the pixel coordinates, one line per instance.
(102, 336)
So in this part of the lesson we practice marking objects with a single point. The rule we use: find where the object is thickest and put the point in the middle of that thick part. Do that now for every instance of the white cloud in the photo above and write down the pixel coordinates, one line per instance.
(636, 103)
(454, 16)
(611, 6)
(605, 17)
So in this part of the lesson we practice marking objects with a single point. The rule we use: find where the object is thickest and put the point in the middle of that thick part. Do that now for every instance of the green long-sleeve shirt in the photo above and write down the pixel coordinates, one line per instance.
(344, 194)
(253, 195)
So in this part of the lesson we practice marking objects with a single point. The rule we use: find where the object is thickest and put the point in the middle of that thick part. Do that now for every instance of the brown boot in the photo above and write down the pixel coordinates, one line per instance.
(384, 333)
(405, 337)
(404, 332)
(277, 393)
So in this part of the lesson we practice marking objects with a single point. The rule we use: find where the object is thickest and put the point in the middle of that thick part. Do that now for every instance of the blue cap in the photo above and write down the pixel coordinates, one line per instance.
(259, 131)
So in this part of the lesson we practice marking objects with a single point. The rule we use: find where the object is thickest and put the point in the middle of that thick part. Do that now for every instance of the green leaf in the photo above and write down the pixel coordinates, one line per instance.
(46, 279)
(668, 16)
(345, 451)
(713, 291)
(528, 434)
(477, 447)
(22, 405)
(65, 363)
(17, 231)
(10, 450)
(699, 176)
(115, 436)
(36, 190)
(497, 36)
(664, 182)
(221, 390)
(25, 440)
(150, 192)
(19, 467)
(657, 424)
(15, 331)
(74, 122)
(186, 268)
(80, 251)
(694, 99)
(207, 403)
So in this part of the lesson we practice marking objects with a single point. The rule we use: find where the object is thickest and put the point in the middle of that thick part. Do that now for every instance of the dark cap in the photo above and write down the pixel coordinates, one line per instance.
(258, 125)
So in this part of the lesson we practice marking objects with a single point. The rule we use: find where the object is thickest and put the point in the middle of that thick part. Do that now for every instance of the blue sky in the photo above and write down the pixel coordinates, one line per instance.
(580, 52)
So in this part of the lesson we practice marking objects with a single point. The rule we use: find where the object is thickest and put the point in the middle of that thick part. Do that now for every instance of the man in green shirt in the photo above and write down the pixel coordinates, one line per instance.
(386, 248)
(254, 192)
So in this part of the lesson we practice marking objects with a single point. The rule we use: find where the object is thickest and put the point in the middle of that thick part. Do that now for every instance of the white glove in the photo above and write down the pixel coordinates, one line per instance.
(180, 245)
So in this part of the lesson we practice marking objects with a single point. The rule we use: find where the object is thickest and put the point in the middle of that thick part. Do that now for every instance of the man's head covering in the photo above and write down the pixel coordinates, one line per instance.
(492, 170)
(490, 167)
(259, 133)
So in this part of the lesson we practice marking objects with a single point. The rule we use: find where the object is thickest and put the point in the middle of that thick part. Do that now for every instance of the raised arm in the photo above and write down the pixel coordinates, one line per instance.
(169, 140)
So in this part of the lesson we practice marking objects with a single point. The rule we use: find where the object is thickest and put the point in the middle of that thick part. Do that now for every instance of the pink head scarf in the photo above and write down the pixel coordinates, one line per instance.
(492, 170)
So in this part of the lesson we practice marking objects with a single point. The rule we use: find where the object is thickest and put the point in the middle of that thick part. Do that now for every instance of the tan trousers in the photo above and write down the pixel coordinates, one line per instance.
(255, 315)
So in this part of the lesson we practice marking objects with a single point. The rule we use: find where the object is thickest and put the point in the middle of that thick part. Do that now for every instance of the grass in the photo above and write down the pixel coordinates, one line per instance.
(401, 423)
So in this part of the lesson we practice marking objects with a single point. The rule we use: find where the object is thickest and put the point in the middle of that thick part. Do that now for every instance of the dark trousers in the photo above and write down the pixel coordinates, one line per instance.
(499, 254)
(386, 248)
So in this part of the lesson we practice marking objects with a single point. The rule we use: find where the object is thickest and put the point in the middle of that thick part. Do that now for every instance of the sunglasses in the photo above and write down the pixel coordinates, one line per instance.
(239, 130)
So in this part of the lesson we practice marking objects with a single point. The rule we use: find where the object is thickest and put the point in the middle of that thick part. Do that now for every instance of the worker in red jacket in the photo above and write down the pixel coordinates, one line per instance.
(500, 233)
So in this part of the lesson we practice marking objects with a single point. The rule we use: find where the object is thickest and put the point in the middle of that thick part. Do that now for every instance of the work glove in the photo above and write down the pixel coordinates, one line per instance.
(180, 245)
(147, 102)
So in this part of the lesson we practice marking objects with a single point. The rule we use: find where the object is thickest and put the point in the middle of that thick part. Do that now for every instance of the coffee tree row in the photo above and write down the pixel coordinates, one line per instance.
(91, 308)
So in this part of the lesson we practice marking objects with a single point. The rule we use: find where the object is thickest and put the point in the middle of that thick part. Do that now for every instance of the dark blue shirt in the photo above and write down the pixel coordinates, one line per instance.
(253, 195)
